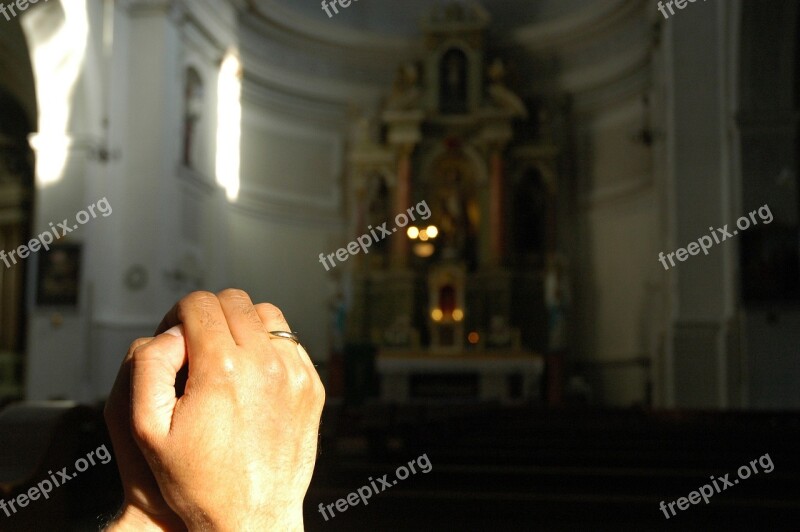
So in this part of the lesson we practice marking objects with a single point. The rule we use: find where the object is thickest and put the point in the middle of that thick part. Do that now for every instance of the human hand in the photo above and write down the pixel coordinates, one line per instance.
(144, 507)
(236, 451)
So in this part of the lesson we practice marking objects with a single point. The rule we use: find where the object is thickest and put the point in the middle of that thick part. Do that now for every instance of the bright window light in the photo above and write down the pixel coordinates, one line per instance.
(58, 51)
(229, 125)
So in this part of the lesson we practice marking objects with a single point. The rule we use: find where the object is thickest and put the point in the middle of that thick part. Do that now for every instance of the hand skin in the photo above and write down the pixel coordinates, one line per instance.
(144, 508)
(236, 451)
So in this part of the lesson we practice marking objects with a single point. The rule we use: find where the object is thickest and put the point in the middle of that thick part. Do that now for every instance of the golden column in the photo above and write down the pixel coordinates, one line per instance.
(402, 201)
(497, 201)
(404, 134)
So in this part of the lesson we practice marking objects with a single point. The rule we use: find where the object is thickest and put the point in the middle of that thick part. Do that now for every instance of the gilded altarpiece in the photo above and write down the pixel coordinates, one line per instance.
(457, 298)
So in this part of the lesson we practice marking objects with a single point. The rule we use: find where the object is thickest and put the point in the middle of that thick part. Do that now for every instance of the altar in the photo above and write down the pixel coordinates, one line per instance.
(468, 302)
(503, 377)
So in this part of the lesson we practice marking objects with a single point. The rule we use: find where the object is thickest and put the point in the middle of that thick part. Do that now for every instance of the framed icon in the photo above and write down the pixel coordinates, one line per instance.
(58, 275)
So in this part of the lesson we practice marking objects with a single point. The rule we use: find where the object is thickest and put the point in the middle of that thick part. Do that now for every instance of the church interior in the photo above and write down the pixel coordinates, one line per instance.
(554, 245)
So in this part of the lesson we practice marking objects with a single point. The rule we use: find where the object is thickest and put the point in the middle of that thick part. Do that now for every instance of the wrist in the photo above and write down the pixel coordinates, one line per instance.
(133, 519)
(284, 521)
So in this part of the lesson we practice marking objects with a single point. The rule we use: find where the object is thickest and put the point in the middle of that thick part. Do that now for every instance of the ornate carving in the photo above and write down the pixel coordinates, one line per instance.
(405, 93)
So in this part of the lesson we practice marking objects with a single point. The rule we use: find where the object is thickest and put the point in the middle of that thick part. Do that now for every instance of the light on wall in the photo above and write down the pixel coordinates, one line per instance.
(229, 124)
(58, 51)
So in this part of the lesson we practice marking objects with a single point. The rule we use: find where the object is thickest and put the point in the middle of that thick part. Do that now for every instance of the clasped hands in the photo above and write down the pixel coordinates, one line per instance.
(232, 448)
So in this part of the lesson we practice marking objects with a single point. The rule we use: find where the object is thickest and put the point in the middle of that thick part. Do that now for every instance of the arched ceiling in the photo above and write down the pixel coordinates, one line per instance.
(393, 18)
(556, 46)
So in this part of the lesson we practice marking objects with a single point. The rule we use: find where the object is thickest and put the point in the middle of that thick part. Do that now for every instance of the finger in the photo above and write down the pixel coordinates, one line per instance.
(169, 320)
(205, 328)
(118, 402)
(154, 367)
(138, 481)
(243, 320)
(274, 320)
(272, 317)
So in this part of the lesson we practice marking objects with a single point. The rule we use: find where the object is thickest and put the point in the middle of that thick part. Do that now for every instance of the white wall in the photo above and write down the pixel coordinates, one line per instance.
(617, 273)
(167, 217)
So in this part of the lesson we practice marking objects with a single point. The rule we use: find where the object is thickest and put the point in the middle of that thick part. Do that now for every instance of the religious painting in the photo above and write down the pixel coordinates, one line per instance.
(530, 203)
(453, 82)
(376, 209)
(457, 208)
(58, 277)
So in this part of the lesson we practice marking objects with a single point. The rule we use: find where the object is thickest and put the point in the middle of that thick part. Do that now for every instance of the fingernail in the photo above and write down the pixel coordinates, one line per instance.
(175, 331)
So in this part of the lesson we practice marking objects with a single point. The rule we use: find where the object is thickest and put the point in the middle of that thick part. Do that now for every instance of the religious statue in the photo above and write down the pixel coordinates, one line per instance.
(400, 333)
(453, 82)
(500, 334)
(500, 95)
(556, 297)
(405, 93)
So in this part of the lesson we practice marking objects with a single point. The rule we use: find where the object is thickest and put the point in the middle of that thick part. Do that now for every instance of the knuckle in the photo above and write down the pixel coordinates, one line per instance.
(319, 389)
(140, 352)
(276, 369)
(195, 299)
(272, 312)
(233, 293)
(140, 430)
(143, 438)
(137, 344)
(302, 382)
(230, 367)
(198, 295)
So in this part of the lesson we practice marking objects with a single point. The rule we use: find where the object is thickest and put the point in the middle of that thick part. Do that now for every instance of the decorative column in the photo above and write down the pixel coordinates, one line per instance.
(495, 136)
(497, 201)
(404, 134)
(402, 201)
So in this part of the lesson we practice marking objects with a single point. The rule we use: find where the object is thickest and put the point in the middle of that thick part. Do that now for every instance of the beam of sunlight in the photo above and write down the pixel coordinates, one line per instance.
(58, 51)
(229, 125)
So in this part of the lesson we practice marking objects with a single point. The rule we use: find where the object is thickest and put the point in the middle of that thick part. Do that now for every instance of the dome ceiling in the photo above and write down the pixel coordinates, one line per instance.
(393, 19)
(595, 48)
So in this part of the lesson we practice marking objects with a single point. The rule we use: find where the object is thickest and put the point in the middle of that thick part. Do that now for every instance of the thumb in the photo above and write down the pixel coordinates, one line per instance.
(153, 370)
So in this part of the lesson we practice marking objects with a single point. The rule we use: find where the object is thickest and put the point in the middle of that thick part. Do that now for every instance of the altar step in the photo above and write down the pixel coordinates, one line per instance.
(527, 469)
